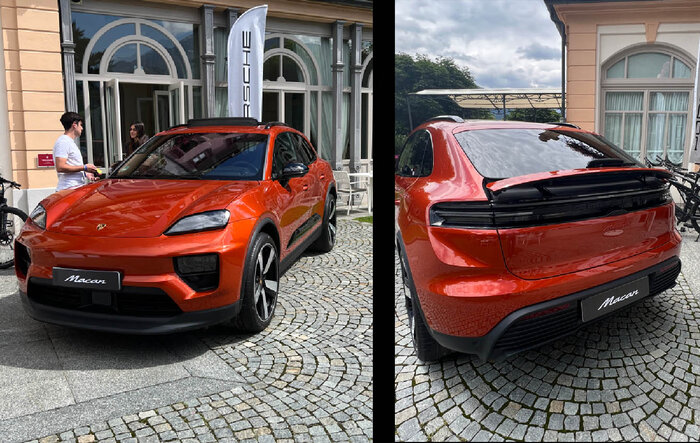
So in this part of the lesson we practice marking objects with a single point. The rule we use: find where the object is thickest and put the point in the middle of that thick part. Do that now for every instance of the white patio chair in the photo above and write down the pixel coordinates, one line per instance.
(345, 187)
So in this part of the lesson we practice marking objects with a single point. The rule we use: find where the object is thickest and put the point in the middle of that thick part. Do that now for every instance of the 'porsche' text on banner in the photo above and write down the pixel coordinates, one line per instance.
(246, 46)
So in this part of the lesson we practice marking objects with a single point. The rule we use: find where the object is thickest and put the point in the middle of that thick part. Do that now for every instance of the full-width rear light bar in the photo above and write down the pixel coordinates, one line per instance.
(492, 215)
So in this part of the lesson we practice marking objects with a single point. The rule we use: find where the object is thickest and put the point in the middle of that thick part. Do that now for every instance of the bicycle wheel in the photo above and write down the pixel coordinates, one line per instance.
(11, 223)
(695, 215)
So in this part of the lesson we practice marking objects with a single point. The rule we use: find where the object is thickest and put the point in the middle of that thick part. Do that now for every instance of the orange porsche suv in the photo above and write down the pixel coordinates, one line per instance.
(194, 228)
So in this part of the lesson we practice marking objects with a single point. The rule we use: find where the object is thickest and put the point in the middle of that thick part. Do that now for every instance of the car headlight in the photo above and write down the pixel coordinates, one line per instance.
(205, 221)
(38, 216)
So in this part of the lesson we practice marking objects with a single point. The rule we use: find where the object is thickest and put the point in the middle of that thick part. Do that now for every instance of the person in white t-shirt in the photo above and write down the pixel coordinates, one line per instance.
(67, 157)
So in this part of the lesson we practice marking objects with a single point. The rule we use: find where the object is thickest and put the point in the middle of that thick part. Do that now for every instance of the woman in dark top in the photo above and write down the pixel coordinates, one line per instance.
(136, 137)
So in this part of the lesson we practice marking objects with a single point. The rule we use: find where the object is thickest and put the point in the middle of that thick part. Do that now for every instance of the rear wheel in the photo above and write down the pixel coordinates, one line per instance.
(260, 285)
(329, 227)
(11, 223)
(427, 349)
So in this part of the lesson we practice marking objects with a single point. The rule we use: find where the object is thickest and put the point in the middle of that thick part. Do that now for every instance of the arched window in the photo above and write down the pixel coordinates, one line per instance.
(647, 101)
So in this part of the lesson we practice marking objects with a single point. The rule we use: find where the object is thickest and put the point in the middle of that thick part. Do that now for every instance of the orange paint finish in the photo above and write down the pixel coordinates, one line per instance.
(470, 275)
(584, 244)
(120, 224)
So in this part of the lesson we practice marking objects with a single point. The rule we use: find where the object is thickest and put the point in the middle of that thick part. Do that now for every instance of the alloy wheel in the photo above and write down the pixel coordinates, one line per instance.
(332, 227)
(266, 282)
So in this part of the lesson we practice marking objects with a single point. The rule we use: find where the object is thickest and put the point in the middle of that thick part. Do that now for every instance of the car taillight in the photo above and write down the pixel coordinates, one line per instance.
(462, 214)
(497, 215)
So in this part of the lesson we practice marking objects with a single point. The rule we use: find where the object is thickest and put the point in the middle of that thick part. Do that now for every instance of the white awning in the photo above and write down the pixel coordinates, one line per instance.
(499, 98)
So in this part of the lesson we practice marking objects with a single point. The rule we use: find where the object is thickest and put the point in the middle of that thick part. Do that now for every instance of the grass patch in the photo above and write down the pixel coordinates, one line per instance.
(367, 219)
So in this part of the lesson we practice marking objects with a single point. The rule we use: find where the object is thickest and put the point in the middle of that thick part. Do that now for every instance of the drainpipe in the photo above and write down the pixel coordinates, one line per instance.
(5, 151)
(563, 75)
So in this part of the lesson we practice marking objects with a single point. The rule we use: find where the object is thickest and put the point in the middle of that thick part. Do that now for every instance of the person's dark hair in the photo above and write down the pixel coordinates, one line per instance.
(68, 118)
(139, 128)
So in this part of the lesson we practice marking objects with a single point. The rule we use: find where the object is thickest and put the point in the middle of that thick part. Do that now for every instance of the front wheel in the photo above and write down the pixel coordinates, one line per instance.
(11, 223)
(260, 285)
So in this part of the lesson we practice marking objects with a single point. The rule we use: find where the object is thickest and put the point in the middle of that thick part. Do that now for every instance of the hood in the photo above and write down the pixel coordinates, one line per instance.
(137, 208)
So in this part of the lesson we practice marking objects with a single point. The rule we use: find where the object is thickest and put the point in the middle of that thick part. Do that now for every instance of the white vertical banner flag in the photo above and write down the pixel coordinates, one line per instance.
(246, 46)
(695, 141)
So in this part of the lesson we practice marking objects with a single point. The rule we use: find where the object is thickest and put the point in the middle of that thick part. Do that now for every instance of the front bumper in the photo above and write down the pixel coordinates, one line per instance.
(99, 317)
(547, 321)
(152, 299)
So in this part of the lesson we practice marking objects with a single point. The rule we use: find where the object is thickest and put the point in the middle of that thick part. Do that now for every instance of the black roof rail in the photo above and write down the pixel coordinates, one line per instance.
(453, 118)
(176, 126)
(571, 125)
(223, 121)
(268, 125)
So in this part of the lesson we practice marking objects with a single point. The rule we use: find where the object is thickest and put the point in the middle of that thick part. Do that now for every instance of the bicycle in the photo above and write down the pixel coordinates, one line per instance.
(11, 223)
(687, 184)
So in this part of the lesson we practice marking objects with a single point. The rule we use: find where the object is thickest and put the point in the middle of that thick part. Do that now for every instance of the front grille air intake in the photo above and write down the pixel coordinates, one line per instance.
(130, 301)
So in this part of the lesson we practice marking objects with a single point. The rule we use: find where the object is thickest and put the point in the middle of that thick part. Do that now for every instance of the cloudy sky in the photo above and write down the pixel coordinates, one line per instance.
(504, 43)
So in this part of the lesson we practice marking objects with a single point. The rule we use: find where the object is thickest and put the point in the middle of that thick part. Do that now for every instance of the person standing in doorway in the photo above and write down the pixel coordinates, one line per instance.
(137, 137)
(70, 168)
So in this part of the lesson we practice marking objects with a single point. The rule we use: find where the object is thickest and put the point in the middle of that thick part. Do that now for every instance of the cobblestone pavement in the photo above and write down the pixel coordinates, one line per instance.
(308, 376)
(632, 377)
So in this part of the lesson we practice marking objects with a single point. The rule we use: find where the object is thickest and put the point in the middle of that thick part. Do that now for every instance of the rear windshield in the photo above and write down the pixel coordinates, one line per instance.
(210, 156)
(505, 153)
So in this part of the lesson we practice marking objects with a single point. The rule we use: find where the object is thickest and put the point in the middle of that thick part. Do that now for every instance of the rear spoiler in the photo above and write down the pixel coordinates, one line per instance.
(569, 183)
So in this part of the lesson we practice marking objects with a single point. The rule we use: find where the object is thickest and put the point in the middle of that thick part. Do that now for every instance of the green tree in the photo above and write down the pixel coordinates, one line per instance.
(413, 74)
(535, 115)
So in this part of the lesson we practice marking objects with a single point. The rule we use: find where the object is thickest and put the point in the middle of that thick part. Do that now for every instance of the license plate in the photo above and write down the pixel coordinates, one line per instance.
(83, 278)
(613, 299)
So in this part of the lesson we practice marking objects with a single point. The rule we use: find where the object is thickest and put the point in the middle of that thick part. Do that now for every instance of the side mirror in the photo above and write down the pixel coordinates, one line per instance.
(294, 170)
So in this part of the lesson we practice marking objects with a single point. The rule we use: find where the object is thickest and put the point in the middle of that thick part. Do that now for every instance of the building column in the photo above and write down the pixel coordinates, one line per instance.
(356, 98)
(68, 51)
(336, 159)
(208, 60)
(5, 150)
(231, 17)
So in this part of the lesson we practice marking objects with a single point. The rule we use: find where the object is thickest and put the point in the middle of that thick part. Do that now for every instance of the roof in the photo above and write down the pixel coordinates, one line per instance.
(495, 98)
(555, 17)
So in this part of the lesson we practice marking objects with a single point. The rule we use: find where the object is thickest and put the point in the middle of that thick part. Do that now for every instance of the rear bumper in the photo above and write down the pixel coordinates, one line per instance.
(116, 317)
(525, 328)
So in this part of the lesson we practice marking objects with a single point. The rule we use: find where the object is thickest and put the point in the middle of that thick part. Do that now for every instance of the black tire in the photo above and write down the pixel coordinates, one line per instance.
(260, 285)
(427, 349)
(328, 228)
(11, 223)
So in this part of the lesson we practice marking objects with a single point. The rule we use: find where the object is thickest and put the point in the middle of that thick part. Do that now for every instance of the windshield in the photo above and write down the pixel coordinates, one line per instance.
(208, 156)
(505, 153)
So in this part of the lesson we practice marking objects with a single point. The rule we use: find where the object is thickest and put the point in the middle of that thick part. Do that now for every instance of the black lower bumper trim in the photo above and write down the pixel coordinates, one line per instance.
(125, 324)
(538, 324)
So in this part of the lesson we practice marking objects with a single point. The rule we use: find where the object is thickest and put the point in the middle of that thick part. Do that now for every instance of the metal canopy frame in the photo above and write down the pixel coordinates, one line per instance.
(498, 99)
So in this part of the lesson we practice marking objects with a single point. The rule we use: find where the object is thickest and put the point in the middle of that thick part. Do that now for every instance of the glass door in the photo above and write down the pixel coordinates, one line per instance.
(161, 105)
(113, 117)
(176, 92)
(290, 107)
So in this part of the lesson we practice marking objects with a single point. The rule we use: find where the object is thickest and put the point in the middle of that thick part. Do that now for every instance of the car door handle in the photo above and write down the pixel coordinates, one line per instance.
(323, 176)
(305, 187)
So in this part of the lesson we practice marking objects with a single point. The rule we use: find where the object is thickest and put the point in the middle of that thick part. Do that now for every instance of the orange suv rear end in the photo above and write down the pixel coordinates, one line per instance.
(513, 234)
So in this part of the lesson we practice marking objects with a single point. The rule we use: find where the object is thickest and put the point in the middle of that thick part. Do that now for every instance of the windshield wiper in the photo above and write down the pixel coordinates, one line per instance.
(607, 162)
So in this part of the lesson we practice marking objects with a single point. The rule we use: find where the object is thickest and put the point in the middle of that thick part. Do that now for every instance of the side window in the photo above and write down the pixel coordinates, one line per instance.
(416, 158)
(284, 154)
(305, 149)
